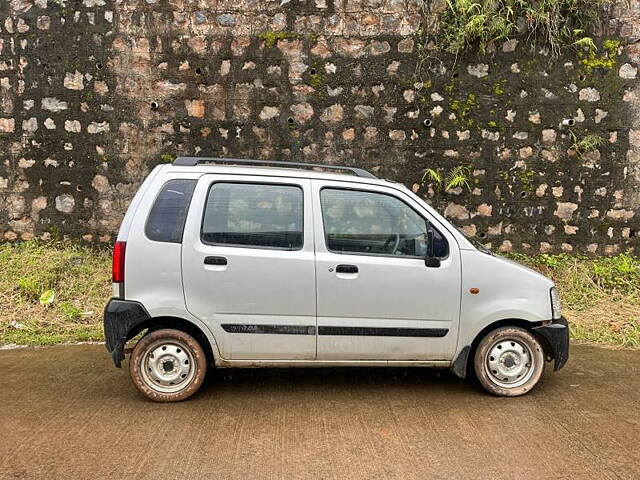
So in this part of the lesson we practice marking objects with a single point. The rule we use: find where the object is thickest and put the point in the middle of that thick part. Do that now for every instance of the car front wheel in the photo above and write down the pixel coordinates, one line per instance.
(168, 365)
(509, 361)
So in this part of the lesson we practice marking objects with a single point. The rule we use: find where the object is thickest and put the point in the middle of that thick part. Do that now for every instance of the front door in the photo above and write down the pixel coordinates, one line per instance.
(376, 299)
(248, 266)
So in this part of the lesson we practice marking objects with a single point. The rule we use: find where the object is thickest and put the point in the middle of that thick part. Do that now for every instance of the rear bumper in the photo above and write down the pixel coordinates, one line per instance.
(121, 317)
(555, 336)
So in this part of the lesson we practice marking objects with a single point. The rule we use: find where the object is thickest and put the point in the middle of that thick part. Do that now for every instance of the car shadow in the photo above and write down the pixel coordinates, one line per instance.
(332, 379)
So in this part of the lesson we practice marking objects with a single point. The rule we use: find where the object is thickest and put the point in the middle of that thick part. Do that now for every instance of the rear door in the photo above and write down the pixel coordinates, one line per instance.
(376, 298)
(248, 266)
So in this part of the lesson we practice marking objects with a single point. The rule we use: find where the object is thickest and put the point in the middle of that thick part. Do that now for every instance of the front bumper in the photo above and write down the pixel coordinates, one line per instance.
(121, 317)
(555, 336)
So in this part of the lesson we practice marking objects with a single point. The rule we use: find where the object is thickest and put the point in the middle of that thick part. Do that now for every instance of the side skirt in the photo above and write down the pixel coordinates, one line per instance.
(221, 363)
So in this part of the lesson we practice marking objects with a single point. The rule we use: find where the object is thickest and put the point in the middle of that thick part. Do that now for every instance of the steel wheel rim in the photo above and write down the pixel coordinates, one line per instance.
(167, 366)
(509, 363)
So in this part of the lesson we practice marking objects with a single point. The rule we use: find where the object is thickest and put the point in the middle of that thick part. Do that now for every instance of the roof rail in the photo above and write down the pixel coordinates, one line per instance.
(193, 161)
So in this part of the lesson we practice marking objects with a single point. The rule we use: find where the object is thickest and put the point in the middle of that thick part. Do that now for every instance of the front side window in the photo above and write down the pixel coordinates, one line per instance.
(254, 215)
(169, 211)
(375, 223)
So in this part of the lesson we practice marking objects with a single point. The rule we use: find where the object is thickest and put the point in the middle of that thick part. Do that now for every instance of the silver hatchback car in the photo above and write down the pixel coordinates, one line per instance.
(244, 263)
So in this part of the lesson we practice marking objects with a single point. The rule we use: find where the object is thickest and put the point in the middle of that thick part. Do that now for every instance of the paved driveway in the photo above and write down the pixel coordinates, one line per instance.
(66, 412)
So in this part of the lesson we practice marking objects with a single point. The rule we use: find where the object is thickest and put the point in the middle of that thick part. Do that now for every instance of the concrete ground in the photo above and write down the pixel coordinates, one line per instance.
(66, 412)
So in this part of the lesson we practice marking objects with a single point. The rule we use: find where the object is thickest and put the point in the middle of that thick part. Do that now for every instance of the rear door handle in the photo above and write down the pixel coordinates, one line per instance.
(215, 261)
(347, 269)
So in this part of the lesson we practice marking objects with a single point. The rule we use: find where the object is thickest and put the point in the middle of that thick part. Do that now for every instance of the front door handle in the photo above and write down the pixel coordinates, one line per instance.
(215, 261)
(347, 269)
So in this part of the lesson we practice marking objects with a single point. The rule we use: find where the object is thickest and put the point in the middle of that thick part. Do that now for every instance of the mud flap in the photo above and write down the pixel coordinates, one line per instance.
(459, 365)
(120, 317)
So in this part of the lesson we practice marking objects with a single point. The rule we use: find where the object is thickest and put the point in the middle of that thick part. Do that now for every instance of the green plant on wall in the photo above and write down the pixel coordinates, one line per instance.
(464, 108)
(498, 87)
(526, 179)
(556, 23)
(317, 79)
(456, 177)
(271, 38)
(591, 58)
(585, 144)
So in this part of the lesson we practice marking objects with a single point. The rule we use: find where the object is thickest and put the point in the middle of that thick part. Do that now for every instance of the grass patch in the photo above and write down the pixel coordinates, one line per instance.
(79, 278)
(600, 296)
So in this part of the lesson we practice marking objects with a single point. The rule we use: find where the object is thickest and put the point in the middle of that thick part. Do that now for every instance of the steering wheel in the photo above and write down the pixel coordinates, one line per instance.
(393, 238)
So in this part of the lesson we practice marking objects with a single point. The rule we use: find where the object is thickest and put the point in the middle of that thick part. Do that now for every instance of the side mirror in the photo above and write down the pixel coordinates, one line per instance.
(429, 259)
(432, 262)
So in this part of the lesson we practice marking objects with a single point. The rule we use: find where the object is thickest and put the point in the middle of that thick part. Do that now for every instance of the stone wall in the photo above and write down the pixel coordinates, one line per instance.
(94, 93)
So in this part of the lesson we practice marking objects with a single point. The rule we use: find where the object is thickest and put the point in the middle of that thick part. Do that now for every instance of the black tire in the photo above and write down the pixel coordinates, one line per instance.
(509, 361)
(168, 365)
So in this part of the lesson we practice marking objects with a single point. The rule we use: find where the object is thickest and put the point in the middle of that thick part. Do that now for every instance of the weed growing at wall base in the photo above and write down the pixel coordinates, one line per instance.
(601, 296)
(52, 292)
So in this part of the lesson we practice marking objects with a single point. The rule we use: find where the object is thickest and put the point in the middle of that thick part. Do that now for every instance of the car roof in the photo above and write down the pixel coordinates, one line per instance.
(275, 171)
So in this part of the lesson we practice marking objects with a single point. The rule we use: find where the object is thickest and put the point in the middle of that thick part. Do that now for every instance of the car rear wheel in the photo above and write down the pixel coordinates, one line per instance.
(509, 361)
(168, 365)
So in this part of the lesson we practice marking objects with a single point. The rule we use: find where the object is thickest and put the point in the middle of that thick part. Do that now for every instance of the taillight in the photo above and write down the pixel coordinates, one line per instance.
(117, 267)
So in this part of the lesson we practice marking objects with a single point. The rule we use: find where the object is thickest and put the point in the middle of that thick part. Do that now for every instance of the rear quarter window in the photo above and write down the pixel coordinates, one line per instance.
(169, 212)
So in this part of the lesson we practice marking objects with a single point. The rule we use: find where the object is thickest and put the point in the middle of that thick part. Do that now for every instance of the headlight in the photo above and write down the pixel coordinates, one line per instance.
(555, 303)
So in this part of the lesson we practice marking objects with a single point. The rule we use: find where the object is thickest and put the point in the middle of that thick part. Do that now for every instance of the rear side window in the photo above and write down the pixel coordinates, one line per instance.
(169, 211)
(254, 215)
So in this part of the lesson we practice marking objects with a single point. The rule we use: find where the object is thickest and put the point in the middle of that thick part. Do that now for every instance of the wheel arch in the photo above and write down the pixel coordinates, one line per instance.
(177, 323)
(461, 366)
